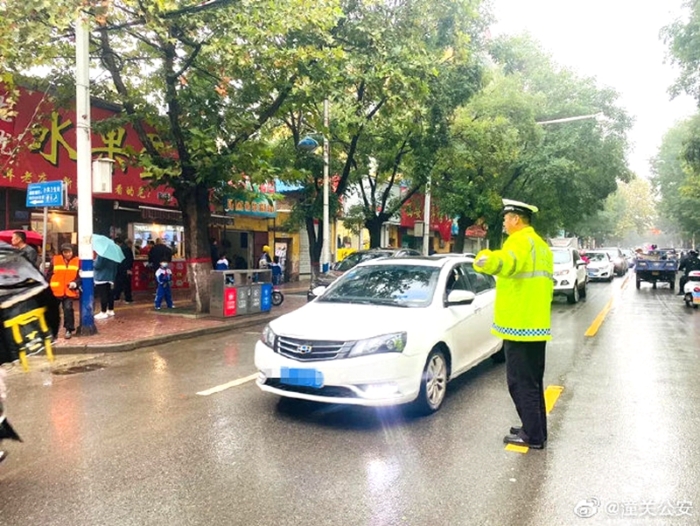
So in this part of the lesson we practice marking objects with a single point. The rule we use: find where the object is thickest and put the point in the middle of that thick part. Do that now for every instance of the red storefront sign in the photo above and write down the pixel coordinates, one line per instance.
(412, 211)
(38, 143)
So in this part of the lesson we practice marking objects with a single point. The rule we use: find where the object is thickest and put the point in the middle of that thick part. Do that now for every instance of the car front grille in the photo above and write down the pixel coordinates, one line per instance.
(311, 350)
(329, 390)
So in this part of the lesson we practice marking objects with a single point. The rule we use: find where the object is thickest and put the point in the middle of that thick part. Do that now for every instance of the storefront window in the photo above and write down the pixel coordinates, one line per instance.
(60, 229)
(172, 235)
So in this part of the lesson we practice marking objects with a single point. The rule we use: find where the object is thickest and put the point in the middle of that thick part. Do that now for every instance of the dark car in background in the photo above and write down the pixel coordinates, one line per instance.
(340, 268)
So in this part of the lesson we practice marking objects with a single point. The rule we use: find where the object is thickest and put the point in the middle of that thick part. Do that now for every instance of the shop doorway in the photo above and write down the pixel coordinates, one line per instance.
(238, 248)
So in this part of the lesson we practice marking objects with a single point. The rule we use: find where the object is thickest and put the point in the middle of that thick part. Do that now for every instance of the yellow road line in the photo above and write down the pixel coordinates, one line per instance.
(593, 329)
(228, 385)
(551, 395)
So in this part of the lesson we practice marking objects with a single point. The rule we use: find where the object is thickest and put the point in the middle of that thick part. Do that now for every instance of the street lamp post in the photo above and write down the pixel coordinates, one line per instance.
(426, 219)
(326, 255)
(309, 144)
(84, 179)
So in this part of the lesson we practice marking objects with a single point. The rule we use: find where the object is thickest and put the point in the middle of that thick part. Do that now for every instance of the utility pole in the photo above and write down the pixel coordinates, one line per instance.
(84, 178)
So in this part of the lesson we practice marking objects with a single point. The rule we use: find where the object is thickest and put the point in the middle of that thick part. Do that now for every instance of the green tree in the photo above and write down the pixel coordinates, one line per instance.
(626, 218)
(674, 180)
(405, 66)
(207, 77)
(498, 150)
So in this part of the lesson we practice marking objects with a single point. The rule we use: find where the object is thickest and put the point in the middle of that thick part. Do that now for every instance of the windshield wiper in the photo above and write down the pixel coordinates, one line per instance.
(369, 301)
(383, 301)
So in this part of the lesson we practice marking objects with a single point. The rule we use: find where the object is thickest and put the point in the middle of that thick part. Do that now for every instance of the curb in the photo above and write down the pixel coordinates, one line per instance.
(158, 340)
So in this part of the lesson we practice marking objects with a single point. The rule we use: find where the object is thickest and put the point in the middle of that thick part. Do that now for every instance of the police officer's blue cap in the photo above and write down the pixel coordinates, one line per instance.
(518, 207)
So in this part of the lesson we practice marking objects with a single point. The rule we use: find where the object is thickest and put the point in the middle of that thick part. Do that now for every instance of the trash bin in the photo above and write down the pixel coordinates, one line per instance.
(255, 294)
(266, 297)
(224, 293)
(243, 300)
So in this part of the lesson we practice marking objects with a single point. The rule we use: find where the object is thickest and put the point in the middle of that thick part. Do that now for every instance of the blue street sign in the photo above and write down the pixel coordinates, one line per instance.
(48, 193)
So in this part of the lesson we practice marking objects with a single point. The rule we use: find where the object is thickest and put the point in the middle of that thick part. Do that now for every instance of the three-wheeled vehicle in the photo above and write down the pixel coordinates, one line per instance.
(657, 266)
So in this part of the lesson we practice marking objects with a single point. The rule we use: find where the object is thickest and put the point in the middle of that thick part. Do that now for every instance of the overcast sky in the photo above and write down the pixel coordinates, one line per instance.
(616, 41)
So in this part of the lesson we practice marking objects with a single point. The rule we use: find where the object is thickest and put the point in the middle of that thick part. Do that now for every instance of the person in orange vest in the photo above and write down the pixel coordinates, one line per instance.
(64, 280)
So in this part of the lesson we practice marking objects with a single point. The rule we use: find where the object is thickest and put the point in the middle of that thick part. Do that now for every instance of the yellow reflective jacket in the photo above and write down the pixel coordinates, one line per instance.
(524, 268)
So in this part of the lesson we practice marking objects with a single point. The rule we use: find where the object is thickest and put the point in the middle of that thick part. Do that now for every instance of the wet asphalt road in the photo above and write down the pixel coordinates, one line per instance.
(133, 444)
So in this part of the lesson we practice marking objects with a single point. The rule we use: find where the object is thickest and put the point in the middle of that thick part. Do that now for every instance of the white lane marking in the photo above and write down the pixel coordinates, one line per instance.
(228, 385)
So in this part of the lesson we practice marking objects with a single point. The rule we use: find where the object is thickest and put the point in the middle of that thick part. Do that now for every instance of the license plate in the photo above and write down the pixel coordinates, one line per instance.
(654, 273)
(301, 377)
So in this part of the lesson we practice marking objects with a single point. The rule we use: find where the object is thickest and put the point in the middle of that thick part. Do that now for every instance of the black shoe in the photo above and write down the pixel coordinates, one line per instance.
(517, 440)
(515, 430)
(68, 335)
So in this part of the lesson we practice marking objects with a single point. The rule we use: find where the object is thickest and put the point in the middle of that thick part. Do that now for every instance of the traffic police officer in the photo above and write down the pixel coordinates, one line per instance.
(524, 268)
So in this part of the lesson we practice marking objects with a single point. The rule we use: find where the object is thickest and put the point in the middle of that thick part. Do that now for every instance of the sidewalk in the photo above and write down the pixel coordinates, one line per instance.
(140, 325)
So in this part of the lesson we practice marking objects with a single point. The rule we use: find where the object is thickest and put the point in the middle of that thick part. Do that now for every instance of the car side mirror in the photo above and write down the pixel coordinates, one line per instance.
(460, 297)
(318, 291)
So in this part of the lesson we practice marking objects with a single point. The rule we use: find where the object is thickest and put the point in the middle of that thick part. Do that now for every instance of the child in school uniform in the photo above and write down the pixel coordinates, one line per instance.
(164, 278)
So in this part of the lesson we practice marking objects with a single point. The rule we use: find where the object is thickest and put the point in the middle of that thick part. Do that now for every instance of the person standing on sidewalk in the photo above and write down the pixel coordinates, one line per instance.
(19, 241)
(524, 288)
(124, 272)
(164, 277)
(105, 274)
(64, 281)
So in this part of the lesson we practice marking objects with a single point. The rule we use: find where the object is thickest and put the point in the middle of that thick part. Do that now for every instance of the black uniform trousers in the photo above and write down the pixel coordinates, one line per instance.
(525, 374)
(68, 314)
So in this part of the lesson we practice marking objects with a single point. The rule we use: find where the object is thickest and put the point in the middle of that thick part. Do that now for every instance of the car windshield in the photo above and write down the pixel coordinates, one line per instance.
(358, 257)
(613, 253)
(561, 256)
(396, 285)
(597, 256)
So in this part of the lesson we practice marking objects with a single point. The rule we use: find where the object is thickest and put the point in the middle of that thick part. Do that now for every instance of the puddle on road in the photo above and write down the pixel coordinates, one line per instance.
(85, 368)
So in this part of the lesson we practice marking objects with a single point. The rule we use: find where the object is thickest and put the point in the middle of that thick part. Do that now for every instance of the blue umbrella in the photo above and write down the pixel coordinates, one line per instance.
(107, 248)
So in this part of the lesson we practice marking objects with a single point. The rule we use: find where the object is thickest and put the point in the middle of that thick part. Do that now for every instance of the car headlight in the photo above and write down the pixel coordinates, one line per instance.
(395, 342)
(561, 272)
(268, 337)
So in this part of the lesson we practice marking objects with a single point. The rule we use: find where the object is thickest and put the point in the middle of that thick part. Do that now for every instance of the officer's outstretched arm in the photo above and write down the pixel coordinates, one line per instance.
(505, 262)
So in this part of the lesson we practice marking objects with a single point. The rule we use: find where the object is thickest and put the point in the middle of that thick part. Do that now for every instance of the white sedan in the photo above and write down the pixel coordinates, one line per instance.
(387, 332)
(600, 266)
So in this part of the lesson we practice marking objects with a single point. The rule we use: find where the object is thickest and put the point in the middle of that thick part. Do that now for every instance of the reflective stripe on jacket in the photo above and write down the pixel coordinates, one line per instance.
(524, 268)
(63, 274)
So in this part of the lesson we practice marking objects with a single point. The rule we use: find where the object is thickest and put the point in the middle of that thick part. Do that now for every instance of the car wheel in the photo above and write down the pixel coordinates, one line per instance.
(639, 284)
(582, 293)
(688, 303)
(672, 285)
(653, 286)
(433, 384)
(573, 296)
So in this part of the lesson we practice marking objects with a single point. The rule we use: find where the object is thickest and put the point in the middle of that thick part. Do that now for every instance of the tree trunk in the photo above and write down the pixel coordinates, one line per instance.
(462, 223)
(374, 226)
(315, 245)
(495, 235)
(194, 205)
